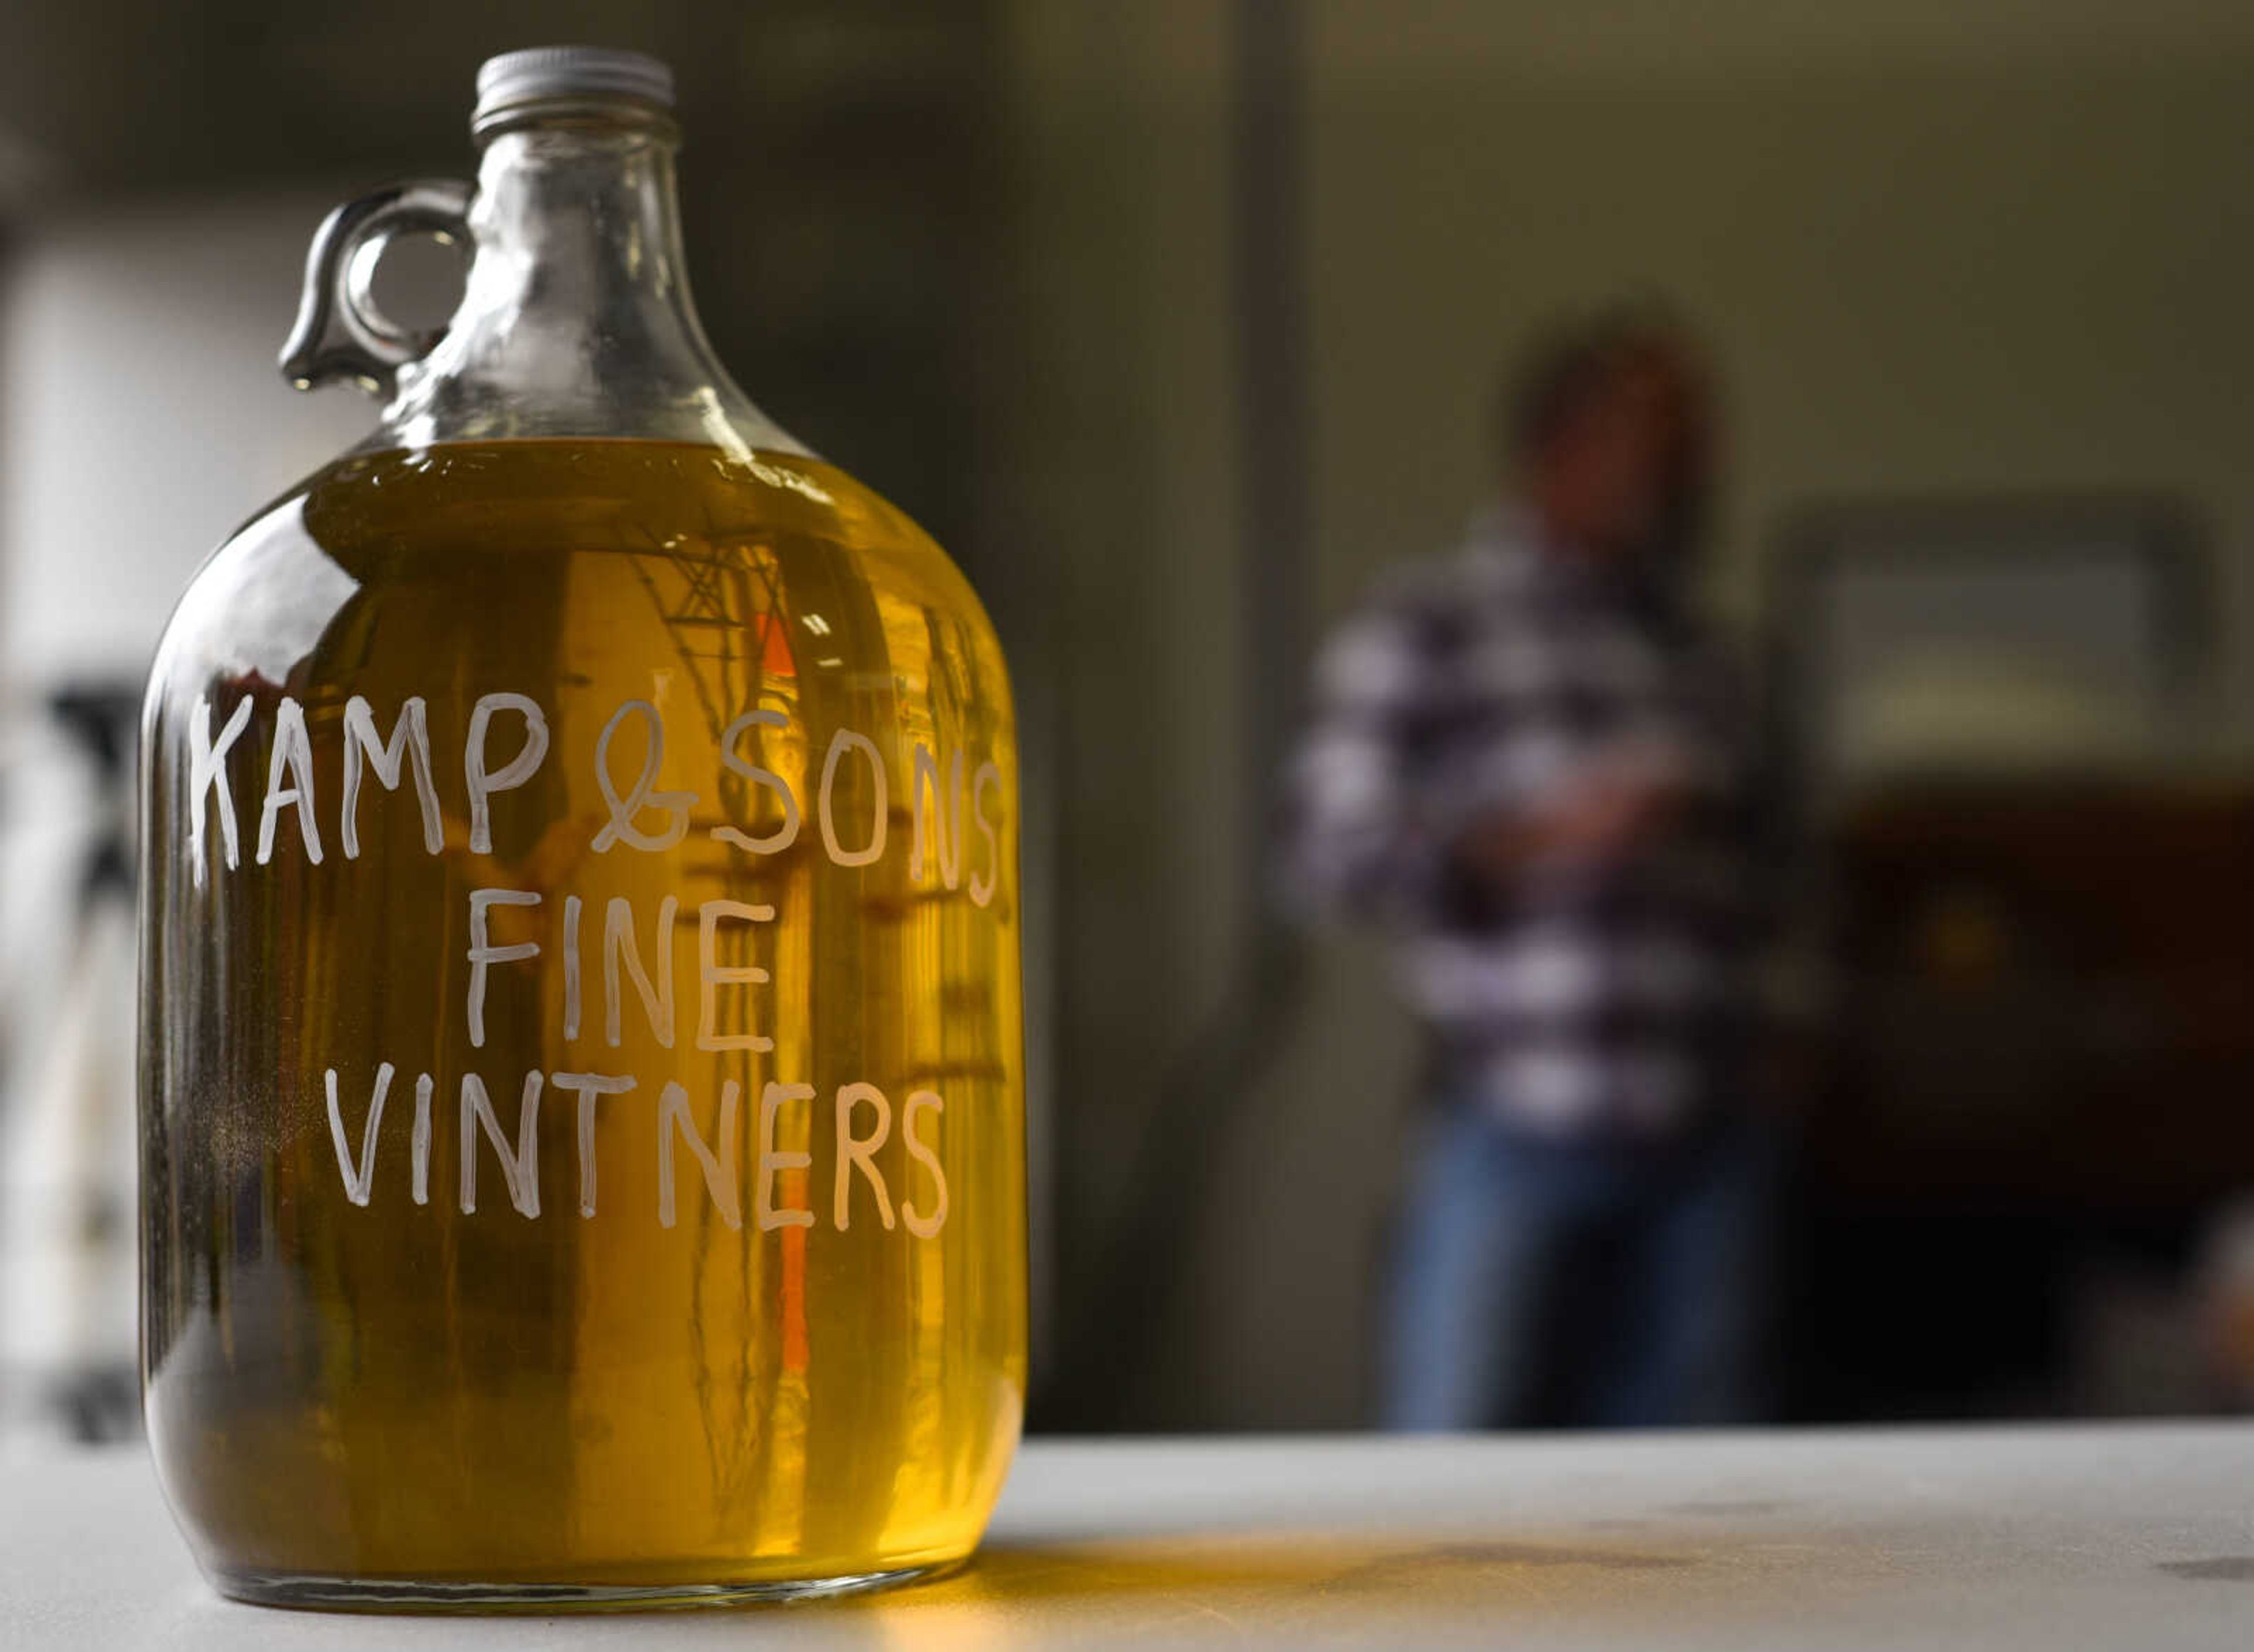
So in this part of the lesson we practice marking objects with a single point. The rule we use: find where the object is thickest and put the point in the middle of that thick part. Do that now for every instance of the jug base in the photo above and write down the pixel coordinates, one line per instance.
(312, 1592)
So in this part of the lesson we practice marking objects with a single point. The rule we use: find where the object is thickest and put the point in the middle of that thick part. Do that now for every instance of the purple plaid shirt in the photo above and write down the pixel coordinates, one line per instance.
(1589, 1002)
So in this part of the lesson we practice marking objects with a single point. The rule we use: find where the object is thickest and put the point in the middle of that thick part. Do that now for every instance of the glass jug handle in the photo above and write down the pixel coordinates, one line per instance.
(341, 333)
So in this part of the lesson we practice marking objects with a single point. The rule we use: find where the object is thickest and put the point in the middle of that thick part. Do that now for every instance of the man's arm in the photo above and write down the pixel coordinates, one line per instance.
(1593, 820)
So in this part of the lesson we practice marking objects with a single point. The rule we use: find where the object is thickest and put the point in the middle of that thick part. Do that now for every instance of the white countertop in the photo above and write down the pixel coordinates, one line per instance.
(2128, 1538)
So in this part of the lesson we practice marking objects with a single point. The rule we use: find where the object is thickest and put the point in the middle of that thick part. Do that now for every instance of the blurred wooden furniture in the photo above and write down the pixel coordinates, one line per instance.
(2048, 996)
(2036, 1093)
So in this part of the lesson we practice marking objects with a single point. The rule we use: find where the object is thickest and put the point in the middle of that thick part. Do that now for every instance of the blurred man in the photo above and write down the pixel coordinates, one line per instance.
(1529, 765)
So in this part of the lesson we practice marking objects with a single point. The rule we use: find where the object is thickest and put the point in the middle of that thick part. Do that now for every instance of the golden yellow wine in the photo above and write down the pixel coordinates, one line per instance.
(581, 1032)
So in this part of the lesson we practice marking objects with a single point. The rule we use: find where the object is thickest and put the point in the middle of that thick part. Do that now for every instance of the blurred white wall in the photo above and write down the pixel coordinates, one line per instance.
(144, 417)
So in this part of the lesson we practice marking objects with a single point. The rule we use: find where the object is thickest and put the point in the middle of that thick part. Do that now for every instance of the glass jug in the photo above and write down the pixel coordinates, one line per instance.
(581, 1063)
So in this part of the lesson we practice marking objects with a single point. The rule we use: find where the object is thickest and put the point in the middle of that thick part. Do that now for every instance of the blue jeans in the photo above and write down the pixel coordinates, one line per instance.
(1540, 1283)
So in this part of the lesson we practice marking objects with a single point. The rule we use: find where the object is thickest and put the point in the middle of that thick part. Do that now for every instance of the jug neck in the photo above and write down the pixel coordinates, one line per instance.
(575, 318)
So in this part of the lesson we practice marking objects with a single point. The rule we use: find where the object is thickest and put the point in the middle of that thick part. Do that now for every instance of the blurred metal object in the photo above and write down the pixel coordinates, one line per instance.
(67, 1133)
(512, 82)
(122, 327)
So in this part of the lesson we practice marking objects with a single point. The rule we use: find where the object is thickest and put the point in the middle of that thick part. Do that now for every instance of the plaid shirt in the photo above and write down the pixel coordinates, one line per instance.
(1578, 1000)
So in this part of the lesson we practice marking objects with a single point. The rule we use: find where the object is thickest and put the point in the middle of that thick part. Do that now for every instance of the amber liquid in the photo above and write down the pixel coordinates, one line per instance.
(409, 1391)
